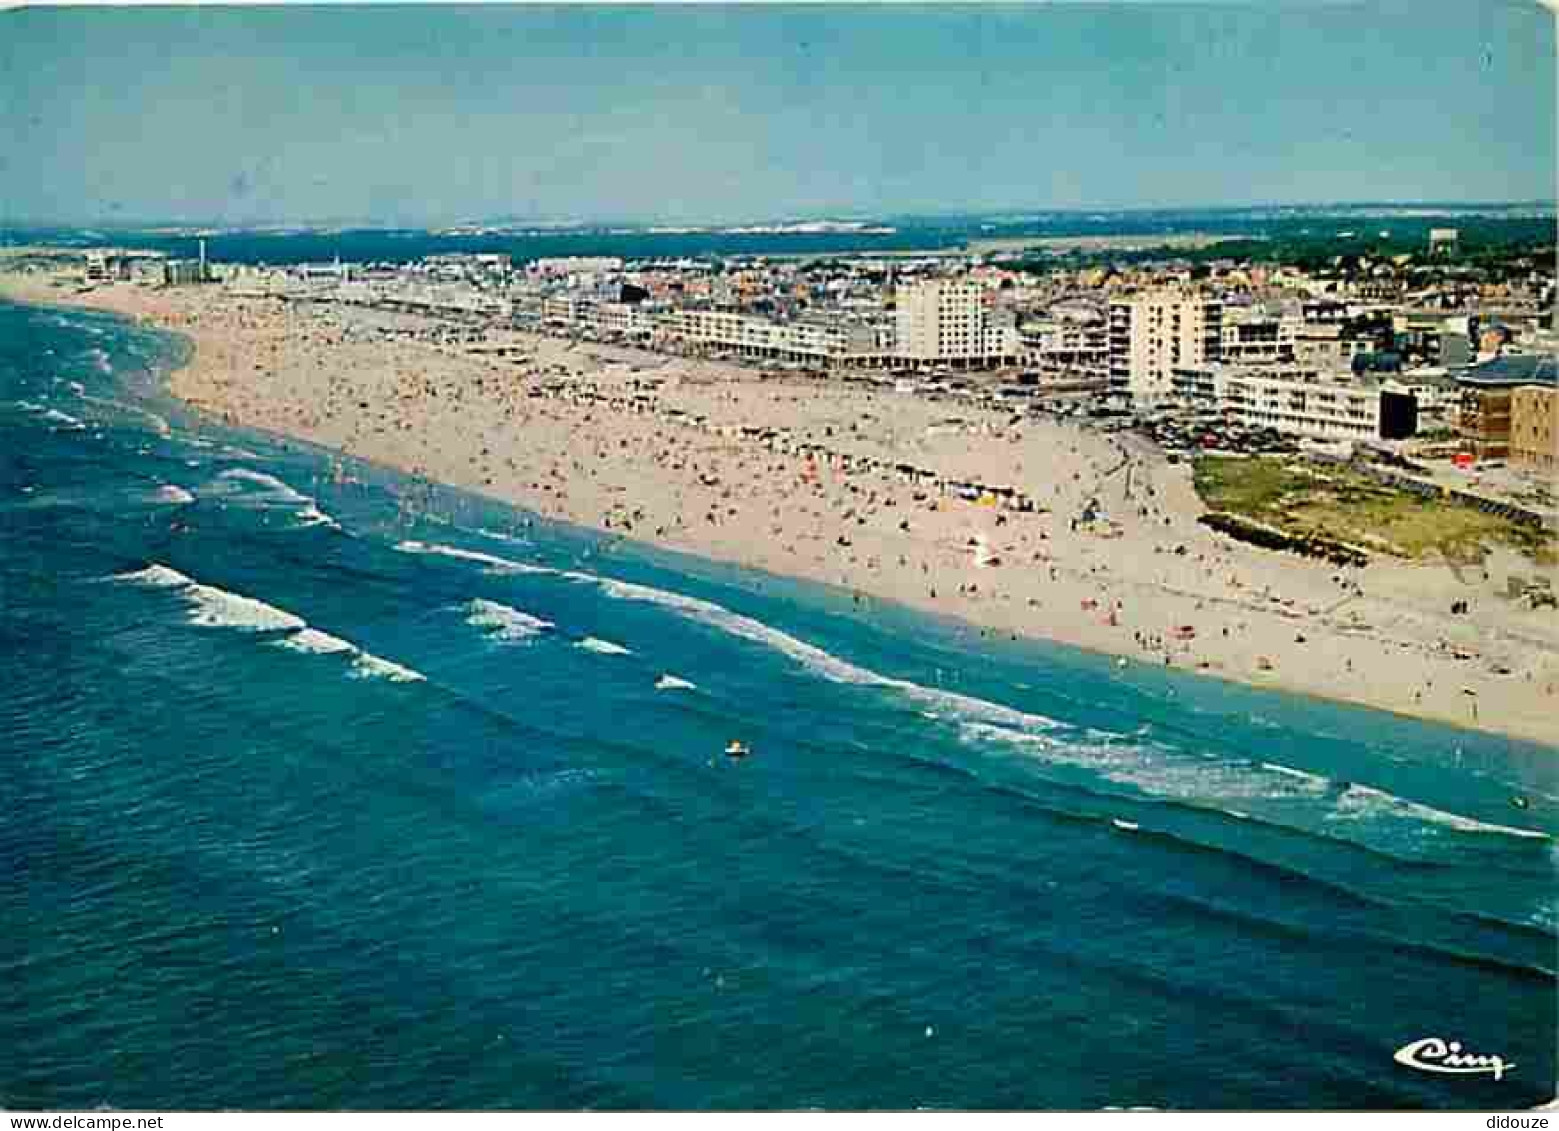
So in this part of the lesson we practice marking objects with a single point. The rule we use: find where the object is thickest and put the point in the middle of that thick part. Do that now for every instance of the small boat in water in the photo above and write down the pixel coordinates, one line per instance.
(735, 749)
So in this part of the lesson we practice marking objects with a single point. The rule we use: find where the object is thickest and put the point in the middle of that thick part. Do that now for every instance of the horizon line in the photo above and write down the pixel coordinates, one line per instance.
(1015, 214)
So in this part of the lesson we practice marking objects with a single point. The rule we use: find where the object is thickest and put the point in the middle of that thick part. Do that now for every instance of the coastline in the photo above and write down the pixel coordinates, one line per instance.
(591, 454)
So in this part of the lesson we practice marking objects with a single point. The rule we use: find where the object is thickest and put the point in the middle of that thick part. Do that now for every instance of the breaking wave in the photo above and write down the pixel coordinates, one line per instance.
(269, 485)
(316, 643)
(500, 536)
(1360, 801)
(172, 494)
(501, 622)
(819, 661)
(809, 656)
(156, 576)
(1152, 769)
(493, 562)
(365, 665)
(261, 489)
(212, 607)
(67, 422)
(1292, 798)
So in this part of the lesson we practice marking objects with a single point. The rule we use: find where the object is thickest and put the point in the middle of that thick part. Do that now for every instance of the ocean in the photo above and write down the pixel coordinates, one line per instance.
(329, 788)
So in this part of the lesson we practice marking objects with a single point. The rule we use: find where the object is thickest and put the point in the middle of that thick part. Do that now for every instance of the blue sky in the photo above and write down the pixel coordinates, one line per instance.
(406, 114)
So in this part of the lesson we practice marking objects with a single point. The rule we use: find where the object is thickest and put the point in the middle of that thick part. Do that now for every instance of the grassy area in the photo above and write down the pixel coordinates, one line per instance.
(1302, 498)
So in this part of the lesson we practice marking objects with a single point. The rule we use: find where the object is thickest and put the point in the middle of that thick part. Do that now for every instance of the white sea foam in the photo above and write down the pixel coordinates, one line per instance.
(1160, 771)
(173, 494)
(503, 622)
(820, 662)
(271, 488)
(247, 485)
(311, 515)
(66, 421)
(365, 665)
(1298, 775)
(1362, 802)
(315, 642)
(500, 536)
(491, 561)
(718, 616)
(217, 608)
(156, 575)
(673, 683)
(214, 607)
(604, 647)
(809, 656)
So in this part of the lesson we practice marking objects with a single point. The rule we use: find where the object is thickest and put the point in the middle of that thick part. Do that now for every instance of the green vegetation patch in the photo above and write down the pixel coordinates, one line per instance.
(1338, 502)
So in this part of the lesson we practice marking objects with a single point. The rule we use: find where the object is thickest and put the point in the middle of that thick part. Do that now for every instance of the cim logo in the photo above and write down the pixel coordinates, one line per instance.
(1431, 1054)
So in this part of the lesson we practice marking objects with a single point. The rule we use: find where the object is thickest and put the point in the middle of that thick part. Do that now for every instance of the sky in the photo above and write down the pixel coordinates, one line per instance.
(430, 114)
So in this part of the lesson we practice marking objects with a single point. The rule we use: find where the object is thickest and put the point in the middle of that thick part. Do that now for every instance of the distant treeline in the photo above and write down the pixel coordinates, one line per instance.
(1488, 242)
(1299, 238)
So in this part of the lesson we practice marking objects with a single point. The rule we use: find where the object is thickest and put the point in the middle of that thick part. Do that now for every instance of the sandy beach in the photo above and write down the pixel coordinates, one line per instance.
(701, 457)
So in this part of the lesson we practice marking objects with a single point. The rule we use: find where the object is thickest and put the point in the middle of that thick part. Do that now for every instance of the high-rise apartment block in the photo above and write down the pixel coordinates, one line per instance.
(1155, 332)
(945, 322)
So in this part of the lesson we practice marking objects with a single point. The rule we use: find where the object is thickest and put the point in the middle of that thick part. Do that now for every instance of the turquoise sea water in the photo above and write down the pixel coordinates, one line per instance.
(308, 804)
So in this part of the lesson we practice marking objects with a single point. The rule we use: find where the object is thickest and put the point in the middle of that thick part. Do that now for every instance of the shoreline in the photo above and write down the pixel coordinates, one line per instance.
(428, 411)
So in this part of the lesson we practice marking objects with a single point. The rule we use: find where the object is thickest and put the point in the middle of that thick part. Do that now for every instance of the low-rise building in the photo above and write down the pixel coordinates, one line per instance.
(1300, 401)
(821, 341)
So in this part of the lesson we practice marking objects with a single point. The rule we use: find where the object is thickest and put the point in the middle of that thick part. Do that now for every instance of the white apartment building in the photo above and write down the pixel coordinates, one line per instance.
(1155, 332)
(814, 341)
(945, 322)
(1299, 400)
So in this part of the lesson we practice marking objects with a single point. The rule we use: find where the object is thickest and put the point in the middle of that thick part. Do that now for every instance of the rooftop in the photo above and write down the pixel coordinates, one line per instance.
(1513, 369)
